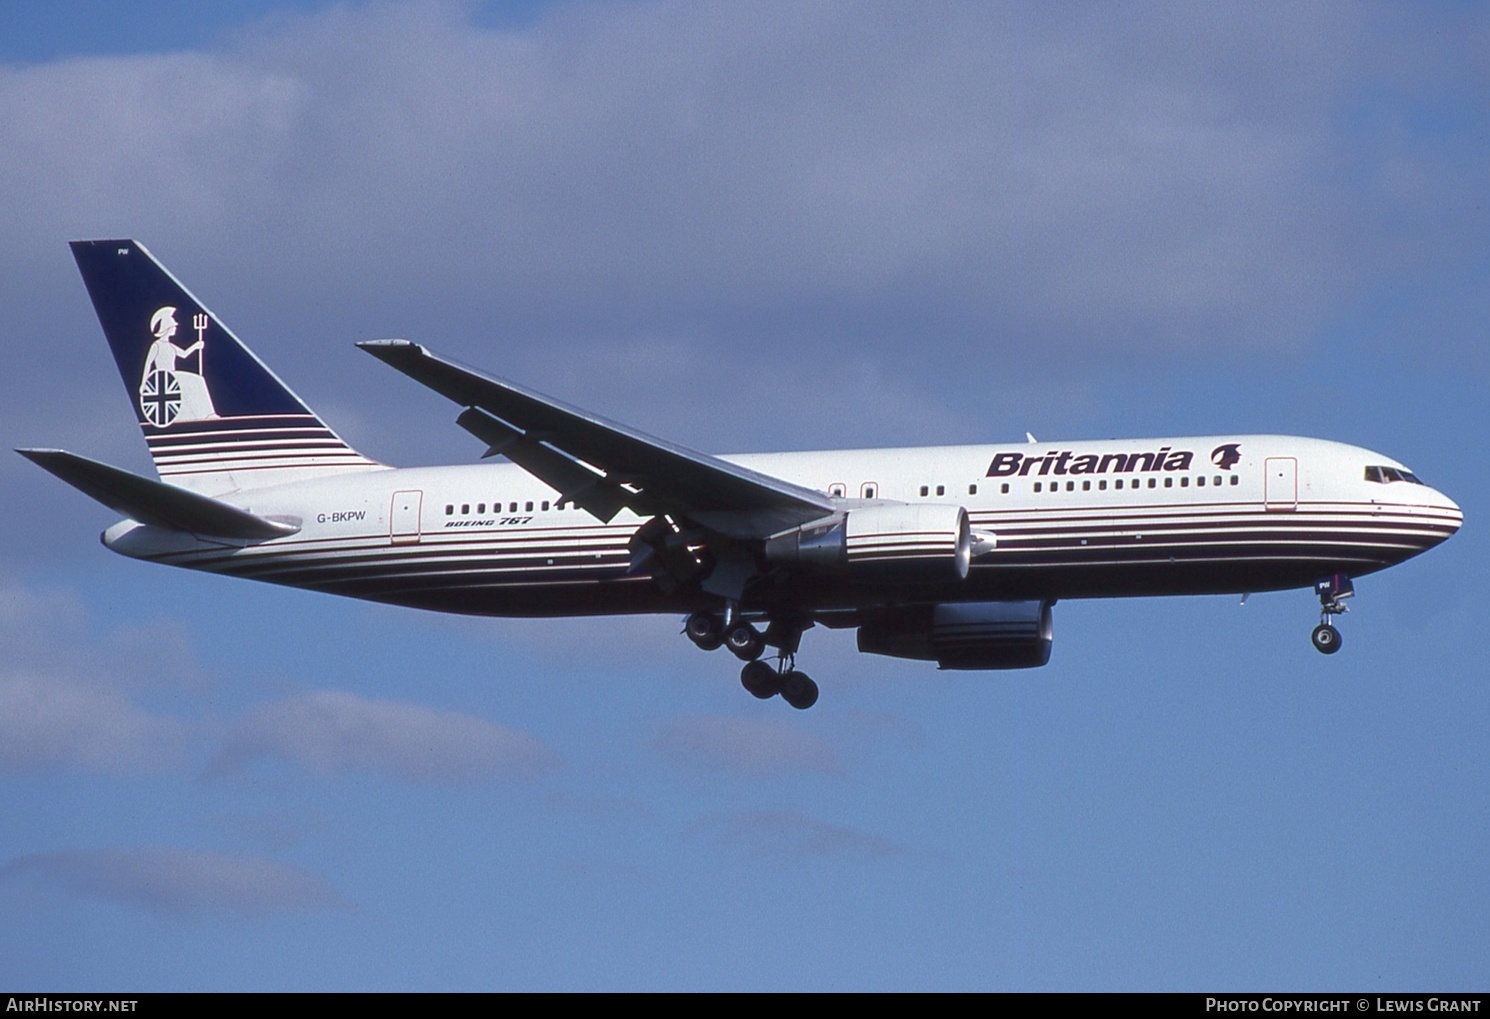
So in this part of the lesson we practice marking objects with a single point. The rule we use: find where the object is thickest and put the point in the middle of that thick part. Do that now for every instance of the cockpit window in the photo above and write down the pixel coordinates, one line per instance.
(1386, 475)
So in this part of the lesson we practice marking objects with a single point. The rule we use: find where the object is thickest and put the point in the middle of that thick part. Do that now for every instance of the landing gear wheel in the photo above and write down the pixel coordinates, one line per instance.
(703, 629)
(1333, 590)
(1326, 639)
(744, 641)
(798, 690)
(760, 680)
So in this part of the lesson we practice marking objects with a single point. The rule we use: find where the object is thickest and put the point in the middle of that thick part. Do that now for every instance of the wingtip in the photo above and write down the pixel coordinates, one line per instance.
(385, 349)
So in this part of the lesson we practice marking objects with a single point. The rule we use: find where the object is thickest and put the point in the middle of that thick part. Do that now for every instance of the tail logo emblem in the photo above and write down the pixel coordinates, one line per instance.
(173, 386)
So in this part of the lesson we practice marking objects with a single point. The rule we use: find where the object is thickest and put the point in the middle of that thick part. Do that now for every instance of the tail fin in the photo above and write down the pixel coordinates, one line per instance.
(216, 419)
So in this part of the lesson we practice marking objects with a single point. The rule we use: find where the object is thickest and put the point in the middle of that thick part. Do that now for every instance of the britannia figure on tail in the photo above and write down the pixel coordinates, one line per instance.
(170, 392)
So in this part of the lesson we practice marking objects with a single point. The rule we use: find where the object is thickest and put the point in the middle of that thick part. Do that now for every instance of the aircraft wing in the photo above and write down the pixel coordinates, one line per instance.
(601, 465)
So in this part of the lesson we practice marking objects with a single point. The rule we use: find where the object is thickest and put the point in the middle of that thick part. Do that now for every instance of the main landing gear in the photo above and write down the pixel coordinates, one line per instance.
(1332, 591)
(747, 643)
(796, 688)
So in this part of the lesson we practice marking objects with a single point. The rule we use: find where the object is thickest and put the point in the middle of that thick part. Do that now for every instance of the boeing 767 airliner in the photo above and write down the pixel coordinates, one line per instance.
(948, 554)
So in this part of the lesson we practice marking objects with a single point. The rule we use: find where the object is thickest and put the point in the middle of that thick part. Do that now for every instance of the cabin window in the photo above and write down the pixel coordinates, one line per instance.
(527, 507)
(512, 507)
(1037, 486)
(1216, 481)
(1153, 483)
(480, 508)
(1200, 481)
(545, 505)
(465, 509)
(1234, 480)
(449, 510)
(869, 490)
(1004, 488)
(1102, 485)
(1070, 486)
(838, 491)
(925, 490)
(1185, 482)
(941, 489)
(972, 489)
(1086, 486)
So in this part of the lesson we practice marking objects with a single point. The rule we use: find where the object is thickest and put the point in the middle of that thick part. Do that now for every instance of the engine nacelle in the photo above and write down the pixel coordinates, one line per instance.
(918, 540)
(963, 635)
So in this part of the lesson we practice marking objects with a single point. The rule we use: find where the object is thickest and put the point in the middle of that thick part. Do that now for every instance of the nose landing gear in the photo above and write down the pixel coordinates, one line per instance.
(1332, 591)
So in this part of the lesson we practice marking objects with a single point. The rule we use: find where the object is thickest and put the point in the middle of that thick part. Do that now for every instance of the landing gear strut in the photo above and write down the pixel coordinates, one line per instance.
(1332, 591)
(760, 678)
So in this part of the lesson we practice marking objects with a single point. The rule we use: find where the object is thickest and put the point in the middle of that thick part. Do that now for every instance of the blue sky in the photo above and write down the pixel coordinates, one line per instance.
(752, 227)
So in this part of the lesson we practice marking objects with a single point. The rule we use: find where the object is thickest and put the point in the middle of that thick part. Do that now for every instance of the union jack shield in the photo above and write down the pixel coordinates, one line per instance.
(160, 397)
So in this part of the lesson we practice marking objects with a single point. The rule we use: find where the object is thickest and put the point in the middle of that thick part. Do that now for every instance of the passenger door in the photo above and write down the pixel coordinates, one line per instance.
(403, 518)
(1281, 485)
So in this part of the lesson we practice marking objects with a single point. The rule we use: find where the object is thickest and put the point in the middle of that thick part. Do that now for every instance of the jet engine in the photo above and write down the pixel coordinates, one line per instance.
(963, 635)
(924, 541)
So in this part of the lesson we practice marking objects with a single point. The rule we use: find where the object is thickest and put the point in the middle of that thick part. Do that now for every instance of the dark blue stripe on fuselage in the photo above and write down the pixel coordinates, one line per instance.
(529, 572)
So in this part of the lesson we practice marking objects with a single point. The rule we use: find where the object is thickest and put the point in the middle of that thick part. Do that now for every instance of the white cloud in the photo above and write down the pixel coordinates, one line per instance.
(1072, 178)
(332, 732)
(277, 828)
(51, 632)
(49, 721)
(744, 746)
(180, 882)
(809, 224)
(793, 835)
(62, 700)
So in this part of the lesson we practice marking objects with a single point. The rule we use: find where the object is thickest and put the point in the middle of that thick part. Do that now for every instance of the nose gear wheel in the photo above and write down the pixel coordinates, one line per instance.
(1332, 591)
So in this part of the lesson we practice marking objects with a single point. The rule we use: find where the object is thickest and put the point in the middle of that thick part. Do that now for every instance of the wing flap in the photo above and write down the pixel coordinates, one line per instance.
(153, 502)
(673, 478)
(574, 481)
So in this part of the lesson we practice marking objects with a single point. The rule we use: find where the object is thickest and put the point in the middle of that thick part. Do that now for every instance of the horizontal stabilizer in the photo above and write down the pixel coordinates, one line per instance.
(155, 503)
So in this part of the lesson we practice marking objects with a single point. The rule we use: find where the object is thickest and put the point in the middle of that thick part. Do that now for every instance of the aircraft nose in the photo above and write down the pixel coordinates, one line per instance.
(1442, 501)
(1447, 510)
(1453, 507)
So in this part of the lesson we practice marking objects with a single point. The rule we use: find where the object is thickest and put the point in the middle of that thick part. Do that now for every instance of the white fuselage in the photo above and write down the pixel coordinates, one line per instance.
(1068, 519)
